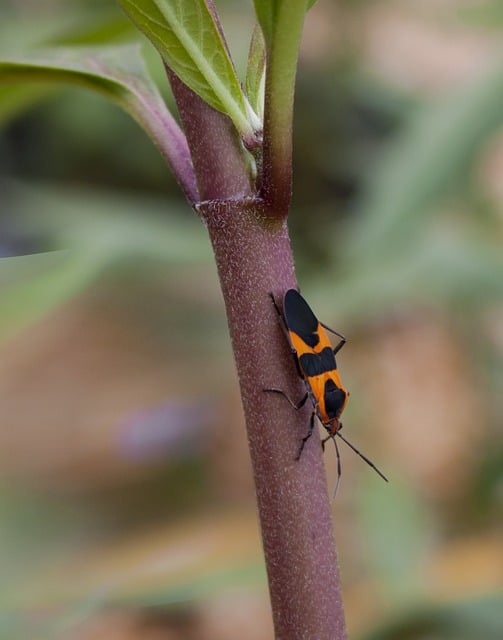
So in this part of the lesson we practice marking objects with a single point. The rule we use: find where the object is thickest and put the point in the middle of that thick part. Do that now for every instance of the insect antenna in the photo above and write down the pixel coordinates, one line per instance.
(339, 465)
(339, 468)
(369, 462)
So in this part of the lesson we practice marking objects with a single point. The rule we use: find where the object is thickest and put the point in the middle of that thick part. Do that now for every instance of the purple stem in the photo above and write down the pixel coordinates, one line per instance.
(253, 255)
(215, 147)
(172, 144)
(293, 503)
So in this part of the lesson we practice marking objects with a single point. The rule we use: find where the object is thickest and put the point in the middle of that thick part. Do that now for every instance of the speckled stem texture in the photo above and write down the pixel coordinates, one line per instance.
(254, 259)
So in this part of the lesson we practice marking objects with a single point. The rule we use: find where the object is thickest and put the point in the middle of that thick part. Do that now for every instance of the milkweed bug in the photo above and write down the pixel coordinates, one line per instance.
(316, 365)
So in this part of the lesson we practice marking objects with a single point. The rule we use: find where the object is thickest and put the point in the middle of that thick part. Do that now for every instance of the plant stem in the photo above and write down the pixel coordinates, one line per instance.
(254, 260)
(217, 153)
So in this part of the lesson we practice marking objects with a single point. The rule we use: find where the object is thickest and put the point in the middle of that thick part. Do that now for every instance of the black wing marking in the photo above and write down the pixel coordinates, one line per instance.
(314, 364)
(334, 399)
(299, 317)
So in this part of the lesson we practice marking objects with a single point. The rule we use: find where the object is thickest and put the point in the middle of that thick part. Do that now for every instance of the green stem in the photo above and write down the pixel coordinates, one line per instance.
(282, 53)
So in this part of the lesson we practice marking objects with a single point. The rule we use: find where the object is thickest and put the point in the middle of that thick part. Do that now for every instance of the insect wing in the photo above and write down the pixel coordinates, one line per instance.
(308, 337)
(300, 319)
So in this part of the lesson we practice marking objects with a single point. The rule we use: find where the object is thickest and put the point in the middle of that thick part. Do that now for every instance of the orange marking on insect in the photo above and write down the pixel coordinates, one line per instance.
(316, 364)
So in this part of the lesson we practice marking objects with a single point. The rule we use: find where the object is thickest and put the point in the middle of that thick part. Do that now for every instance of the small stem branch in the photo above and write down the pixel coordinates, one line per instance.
(282, 54)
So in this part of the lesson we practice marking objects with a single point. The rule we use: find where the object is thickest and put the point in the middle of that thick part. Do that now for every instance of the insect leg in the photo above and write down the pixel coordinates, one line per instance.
(342, 341)
(278, 311)
(280, 315)
(307, 436)
(295, 405)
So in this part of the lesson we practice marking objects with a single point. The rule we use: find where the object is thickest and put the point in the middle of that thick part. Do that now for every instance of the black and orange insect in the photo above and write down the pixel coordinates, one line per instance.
(315, 360)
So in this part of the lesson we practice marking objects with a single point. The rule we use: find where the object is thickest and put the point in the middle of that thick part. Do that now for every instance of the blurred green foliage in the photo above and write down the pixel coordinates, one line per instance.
(458, 621)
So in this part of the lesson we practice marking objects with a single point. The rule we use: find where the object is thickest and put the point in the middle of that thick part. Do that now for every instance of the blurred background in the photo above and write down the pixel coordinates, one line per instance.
(126, 499)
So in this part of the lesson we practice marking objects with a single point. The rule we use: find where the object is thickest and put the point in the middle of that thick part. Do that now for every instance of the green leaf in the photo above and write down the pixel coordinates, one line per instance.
(190, 41)
(16, 99)
(42, 282)
(434, 152)
(255, 72)
(118, 73)
(453, 266)
(267, 13)
(81, 23)
(97, 230)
